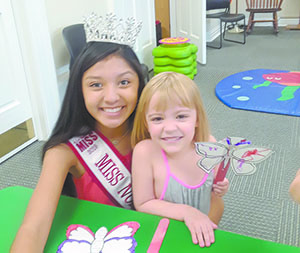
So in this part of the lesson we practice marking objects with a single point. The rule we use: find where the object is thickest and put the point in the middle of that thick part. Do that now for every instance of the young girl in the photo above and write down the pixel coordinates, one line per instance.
(166, 180)
(92, 135)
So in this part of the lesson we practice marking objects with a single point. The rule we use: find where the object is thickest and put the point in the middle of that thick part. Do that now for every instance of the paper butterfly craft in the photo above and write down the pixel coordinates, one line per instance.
(234, 151)
(82, 240)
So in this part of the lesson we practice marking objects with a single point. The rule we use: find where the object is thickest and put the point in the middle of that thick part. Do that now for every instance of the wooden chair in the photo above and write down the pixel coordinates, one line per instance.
(263, 6)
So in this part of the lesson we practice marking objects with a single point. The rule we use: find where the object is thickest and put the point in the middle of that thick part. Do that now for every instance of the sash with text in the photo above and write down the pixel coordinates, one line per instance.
(107, 169)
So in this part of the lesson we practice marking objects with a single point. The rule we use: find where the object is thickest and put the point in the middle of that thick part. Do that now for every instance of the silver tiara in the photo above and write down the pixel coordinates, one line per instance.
(111, 29)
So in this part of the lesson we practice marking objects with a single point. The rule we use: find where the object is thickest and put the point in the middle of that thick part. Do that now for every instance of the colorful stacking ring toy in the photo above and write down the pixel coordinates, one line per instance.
(175, 54)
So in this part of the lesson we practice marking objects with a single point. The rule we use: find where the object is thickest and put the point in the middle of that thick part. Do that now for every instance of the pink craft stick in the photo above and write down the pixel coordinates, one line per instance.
(159, 236)
(222, 171)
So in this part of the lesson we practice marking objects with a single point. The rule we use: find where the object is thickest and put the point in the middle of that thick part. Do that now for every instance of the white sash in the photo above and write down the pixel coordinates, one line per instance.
(110, 173)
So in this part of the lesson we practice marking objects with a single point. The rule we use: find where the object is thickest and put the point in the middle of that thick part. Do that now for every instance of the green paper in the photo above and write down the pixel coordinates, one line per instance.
(14, 201)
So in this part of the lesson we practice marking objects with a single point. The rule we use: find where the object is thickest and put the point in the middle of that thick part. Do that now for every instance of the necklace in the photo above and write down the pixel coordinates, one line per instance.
(117, 141)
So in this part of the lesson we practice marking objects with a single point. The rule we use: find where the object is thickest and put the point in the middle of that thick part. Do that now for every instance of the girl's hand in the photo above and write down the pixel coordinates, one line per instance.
(200, 226)
(220, 188)
(294, 189)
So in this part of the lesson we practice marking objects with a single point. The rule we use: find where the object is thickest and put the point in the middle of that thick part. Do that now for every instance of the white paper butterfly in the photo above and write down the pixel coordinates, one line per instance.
(82, 240)
(234, 151)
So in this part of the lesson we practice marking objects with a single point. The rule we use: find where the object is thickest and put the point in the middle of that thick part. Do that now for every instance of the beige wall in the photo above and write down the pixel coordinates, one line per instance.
(290, 8)
(67, 12)
(64, 13)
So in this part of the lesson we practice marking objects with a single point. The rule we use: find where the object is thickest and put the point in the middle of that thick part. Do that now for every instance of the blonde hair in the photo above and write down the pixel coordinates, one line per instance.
(172, 87)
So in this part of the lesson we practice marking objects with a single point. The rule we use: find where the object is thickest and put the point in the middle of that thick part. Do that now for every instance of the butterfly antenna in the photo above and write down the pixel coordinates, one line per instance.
(228, 141)
(242, 142)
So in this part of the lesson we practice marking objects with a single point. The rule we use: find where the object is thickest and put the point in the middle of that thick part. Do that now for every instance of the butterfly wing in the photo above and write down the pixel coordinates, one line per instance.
(80, 232)
(213, 153)
(120, 245)
(239, 167)
(79, 239)
(119, 239)
(207, 164)
(252, 154)
(123, 230)
(243, 159)
(210, 149)
(74, 246)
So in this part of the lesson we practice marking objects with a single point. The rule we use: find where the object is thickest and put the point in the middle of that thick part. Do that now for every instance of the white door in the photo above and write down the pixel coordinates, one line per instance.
(14, 97)
(188, 19)
(142, 11)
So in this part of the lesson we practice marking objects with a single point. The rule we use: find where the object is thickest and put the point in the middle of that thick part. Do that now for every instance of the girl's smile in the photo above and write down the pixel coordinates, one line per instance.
(112, 110)
(110, 90)
(171, 139)
(172, 128)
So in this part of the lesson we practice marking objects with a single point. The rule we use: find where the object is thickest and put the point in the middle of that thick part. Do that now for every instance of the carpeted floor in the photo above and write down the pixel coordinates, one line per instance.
(23, 168)
(257, 205)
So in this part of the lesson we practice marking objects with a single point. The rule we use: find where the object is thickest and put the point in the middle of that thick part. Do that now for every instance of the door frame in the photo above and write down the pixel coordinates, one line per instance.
(146, 39)
(201, 55)
(37, 54)
(162, 13)
(35, 44)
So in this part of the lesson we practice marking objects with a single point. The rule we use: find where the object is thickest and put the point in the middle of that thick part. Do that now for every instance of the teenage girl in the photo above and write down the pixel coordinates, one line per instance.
(93, 127)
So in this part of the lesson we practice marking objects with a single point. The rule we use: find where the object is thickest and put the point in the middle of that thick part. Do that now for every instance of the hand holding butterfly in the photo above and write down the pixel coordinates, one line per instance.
(200, 226)
(221, 188)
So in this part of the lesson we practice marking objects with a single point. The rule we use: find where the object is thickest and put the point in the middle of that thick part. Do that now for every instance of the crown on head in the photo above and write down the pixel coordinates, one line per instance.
(111, 29)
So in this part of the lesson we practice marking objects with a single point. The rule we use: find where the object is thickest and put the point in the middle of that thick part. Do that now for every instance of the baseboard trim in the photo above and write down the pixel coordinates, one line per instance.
(213, 29)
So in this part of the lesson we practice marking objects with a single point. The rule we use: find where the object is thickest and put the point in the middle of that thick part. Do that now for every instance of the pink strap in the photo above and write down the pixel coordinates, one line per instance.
(159, 236)
(169, 174)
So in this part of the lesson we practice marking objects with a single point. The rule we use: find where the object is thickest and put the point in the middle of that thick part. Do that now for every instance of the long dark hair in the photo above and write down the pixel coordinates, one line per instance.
(74, 119)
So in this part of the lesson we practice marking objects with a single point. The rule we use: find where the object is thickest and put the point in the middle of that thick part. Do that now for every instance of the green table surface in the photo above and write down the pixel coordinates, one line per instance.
(14, 201)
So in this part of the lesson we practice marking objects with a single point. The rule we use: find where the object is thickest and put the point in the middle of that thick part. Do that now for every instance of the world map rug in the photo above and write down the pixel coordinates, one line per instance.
(264, 90)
